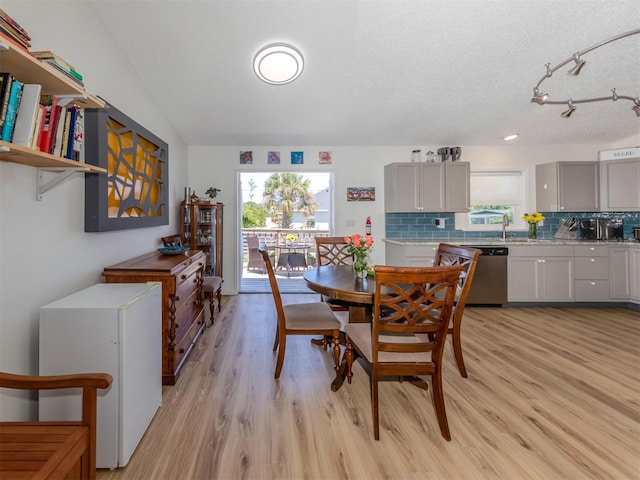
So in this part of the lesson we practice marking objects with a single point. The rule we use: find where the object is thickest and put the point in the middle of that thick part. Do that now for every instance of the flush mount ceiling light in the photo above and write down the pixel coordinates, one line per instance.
(543, 98)
(278, 64)
(513, 136)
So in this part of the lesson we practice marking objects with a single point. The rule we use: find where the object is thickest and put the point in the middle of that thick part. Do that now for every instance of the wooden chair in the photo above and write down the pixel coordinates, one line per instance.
(172, 240)
(333, 251)
(315, 318)
(212, 289)
(409, 339)
(52, 450)
(466, 257)
(254, 256)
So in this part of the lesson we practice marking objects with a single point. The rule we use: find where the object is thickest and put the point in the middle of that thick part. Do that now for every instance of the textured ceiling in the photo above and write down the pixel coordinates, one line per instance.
(428, 72)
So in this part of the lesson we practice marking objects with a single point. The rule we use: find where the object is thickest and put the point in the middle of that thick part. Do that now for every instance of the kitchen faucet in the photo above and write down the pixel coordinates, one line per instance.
(505, 224)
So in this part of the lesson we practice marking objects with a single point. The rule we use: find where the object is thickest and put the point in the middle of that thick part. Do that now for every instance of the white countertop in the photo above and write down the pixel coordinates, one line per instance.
(500, 242)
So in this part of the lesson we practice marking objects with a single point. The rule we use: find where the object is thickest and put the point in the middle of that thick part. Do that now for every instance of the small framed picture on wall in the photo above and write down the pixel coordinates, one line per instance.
(273, 158)
(246, 158)
(297, 158)
(361, 194)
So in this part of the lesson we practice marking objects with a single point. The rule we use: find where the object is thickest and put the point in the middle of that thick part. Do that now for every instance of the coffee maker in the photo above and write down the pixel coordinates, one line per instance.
(601, 229)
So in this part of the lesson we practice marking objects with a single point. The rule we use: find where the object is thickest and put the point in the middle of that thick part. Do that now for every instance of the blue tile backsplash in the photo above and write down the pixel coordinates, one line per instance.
(410, 226)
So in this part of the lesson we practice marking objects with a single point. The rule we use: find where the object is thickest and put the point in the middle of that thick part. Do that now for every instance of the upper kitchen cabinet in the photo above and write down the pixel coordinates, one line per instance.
(567, 187)
(426, 187)
(620, 185)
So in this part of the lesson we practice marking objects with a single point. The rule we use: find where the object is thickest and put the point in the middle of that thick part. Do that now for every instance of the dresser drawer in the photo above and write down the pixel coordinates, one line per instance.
(187, 283)
(184, 346)
(591, 290)
(591, 250)
(590, 268)
(187, 314)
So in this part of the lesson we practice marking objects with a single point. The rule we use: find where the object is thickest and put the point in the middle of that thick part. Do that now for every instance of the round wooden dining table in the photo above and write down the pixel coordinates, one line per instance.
(339, 282)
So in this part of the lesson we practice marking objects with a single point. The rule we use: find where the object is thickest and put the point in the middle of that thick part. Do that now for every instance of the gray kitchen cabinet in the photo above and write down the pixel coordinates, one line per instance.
(427, 187)
(619, 272)
(591, 273)
(567, 186)
(620, 185)
(634, 274)
(540, 274)
(410, 255)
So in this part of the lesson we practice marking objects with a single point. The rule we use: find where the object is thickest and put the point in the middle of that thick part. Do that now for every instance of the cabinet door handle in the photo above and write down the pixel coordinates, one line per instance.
(177, 298)
(181, 350)
(177, 326)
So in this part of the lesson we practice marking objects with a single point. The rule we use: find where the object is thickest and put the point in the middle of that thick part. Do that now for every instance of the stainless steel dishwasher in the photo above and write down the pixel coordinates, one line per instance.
(489, 284)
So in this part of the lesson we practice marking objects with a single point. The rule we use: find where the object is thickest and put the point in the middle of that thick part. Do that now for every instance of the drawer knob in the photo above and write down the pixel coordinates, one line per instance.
(181, 350)
(183, 277)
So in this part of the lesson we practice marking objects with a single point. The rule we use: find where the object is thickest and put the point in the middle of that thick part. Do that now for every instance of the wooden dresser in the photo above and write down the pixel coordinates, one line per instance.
(183, 301)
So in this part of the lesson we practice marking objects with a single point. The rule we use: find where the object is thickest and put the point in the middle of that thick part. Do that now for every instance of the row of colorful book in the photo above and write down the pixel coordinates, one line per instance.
(40, 122)
(11, 29)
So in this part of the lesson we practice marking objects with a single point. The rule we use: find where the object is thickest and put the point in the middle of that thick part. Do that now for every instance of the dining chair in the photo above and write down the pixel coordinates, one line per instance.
(467, 257)
(254, 260)
(312, 318)
(172, 240)
(333, 251)
(409, 339)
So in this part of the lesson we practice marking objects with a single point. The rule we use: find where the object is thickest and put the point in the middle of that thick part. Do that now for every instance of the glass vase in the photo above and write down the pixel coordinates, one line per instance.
(360, 266)
(533, 231)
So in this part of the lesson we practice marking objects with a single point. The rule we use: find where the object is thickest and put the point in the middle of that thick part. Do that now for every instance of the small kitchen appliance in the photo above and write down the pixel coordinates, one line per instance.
(601, 229)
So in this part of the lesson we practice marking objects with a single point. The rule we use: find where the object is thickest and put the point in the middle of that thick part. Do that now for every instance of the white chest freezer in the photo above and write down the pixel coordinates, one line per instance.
(114, 328)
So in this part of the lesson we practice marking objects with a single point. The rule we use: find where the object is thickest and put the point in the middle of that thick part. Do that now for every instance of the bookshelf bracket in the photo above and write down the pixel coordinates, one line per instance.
(61, 175)
(64, 100)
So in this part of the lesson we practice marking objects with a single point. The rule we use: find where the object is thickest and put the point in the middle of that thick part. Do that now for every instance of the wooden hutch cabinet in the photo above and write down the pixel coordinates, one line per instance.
(182, 300)
(201, 229)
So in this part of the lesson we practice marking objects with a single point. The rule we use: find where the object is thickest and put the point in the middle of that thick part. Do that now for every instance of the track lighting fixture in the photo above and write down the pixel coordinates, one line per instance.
(538, 97)
(567, 113)
(543, 98)
(575, 70)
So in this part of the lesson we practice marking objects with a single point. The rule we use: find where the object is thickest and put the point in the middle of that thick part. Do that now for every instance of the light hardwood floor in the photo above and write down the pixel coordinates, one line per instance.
(552, 394)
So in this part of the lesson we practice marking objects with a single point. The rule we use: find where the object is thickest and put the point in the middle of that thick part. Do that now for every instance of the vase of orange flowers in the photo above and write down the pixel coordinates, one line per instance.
(360, 247)
(533, 219)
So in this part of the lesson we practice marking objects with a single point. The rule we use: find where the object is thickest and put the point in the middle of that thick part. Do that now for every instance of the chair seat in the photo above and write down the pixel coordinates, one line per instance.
(305, 316)
(212, 284)
(360, 334)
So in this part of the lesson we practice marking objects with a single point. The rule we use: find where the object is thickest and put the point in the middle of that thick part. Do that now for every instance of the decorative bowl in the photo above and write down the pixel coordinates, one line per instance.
(173, 250)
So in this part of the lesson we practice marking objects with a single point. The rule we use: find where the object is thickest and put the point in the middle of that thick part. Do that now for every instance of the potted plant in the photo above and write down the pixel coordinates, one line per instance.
(212, 192)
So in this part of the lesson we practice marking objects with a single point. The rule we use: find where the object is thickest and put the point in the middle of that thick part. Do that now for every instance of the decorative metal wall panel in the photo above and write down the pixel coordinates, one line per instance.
(134, 191)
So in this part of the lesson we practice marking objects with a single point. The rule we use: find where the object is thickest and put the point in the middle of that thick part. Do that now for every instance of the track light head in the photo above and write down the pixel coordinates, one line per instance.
(614, 95)
(567, 113)
(575, 70)
(538, 97)
(636, 106)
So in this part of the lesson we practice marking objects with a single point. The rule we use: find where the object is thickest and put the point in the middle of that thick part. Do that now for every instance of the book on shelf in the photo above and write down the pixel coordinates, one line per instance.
(16, 26)
(48, 130)
(47, 56)
(12, 110)
(26, 116)
(8, 38)
(78, 138)
(73, 122)
(14, 34)
(58, 138)
(38, 127)
(6, 79)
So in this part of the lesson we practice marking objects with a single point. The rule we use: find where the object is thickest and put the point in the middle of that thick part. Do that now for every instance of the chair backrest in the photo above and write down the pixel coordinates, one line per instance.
(172, 240)
(333, 251)
(467, 257)
(275, 290)
(416, 303)
(253, 242)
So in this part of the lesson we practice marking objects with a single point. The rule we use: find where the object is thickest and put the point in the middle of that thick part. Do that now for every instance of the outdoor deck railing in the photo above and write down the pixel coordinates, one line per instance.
(277, 236)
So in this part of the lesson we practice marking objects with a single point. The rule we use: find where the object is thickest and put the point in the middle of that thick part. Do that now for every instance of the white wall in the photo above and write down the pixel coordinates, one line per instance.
(44, 252)
(354, 166)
